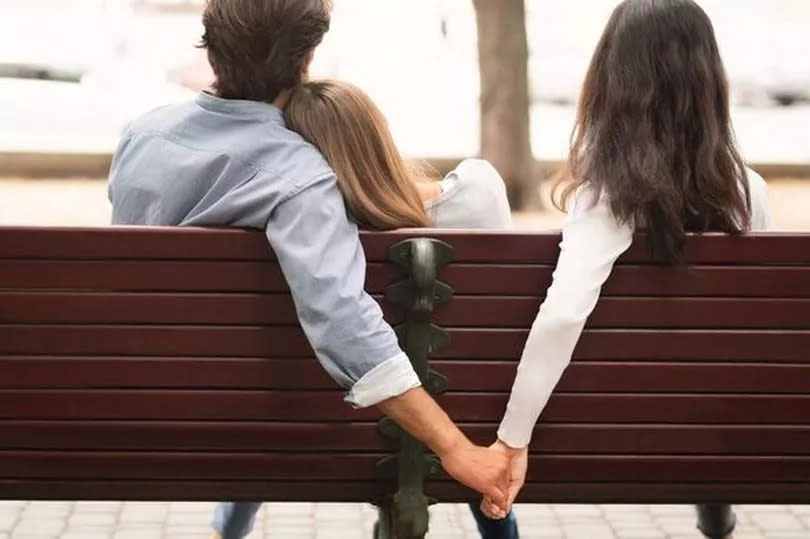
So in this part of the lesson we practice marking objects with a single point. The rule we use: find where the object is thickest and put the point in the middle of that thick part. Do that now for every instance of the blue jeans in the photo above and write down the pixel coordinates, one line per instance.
(235, 521)
(495, 529)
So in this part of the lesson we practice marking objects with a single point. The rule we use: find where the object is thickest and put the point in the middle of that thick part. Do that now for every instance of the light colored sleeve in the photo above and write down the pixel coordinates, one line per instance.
(476, 198)
(319, 251)
(761, 216)
(592, 242)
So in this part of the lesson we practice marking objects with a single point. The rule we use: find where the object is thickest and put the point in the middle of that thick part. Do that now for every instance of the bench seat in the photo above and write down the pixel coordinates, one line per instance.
(167, 364)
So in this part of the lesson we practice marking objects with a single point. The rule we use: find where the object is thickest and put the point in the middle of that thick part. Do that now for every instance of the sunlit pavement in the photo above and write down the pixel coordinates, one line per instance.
(113, 520)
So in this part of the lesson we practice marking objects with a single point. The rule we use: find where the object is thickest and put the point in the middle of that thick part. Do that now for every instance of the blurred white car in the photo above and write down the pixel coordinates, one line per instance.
(77, 112)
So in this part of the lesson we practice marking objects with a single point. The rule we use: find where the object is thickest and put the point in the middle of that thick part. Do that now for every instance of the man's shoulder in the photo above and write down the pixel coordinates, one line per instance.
(270, 149)
(159, 118)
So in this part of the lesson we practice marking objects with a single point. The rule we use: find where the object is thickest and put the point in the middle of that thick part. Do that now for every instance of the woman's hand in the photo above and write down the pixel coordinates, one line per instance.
(518, 464)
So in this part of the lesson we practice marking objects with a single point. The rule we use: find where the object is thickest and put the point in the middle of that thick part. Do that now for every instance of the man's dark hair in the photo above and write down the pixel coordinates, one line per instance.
(257, 47)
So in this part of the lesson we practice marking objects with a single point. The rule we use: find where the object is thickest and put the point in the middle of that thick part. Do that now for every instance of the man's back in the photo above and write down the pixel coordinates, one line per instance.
(210, 162)
(221, 162)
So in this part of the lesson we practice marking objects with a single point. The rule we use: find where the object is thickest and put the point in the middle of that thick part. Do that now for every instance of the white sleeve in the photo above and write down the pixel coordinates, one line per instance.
(475, 198)
(592, 242)
(761, 217)
(492, 202)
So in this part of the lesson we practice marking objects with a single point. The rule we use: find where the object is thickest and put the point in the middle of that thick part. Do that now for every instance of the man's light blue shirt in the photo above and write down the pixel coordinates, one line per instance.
(217, 162)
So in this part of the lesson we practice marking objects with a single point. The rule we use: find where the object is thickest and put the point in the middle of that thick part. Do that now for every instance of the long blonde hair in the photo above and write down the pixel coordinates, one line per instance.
(352, 134)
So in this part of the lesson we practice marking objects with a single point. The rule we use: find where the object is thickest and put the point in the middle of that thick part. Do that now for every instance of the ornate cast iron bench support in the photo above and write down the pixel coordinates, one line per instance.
(405, 514)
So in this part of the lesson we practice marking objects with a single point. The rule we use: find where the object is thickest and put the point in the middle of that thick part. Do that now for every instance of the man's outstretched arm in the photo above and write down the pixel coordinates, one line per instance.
(320, 254)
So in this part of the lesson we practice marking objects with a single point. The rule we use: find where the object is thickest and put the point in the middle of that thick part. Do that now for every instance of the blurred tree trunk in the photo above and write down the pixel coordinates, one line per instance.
(503, 55)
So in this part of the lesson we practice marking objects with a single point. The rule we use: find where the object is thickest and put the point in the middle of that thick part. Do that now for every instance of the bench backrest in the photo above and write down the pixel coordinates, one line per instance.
(168, 363)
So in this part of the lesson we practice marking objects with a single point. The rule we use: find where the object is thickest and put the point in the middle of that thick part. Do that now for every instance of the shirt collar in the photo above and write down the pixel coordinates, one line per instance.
(239, 107)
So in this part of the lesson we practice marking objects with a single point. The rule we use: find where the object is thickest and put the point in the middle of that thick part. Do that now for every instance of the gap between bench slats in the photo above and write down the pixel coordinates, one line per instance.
(212, 341)
(365, 437)
(483, 279)
(307, 374)
(299, 406)
(463, 311)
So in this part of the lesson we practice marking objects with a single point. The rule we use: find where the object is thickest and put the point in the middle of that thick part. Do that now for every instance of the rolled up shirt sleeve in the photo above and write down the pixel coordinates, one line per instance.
(320, 254)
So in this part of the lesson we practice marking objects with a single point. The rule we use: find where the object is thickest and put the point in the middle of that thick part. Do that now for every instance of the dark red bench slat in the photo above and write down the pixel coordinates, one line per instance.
(354, 467)
(463, 311)
(482, 279)
(327, 406)
(470, 246)
(295, 491)
(146, 308)
(210, 341)
(366, 437)
(528, 247)
(497, 377)
(642, 345)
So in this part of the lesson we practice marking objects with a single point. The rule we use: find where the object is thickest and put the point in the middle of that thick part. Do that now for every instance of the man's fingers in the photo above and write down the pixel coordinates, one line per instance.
(514, 490)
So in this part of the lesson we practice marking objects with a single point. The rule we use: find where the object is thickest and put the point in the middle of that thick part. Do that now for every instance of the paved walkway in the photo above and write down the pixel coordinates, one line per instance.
(94, 520)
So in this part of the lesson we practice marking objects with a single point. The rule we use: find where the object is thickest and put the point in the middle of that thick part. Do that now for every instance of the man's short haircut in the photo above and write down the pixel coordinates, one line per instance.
(257, 47)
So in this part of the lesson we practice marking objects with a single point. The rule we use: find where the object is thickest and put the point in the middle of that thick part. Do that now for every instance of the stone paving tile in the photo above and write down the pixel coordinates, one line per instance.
(65, 520)
(638, 533)
(589, 531)
(8, 518)
(776, 522)
(38, 527)
(80, 518)
(139, 534)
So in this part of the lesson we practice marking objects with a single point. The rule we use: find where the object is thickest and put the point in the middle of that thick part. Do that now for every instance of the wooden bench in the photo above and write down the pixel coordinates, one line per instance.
(167, 364)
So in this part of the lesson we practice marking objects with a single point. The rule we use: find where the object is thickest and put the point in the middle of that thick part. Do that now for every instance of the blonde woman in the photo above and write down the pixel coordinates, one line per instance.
(381, 190)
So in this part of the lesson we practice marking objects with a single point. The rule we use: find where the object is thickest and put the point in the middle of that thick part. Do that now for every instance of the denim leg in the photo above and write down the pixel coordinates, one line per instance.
(234, 520)
(495, 529)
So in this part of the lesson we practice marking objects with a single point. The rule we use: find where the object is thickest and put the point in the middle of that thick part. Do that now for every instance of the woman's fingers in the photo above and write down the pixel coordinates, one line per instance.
(492, 510)
(498, 496)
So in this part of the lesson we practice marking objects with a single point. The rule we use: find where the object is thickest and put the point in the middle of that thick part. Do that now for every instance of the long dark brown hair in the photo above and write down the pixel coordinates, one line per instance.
(654, 133)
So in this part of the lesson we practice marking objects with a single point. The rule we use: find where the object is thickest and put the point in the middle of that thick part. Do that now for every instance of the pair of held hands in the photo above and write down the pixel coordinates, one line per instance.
(498, 472)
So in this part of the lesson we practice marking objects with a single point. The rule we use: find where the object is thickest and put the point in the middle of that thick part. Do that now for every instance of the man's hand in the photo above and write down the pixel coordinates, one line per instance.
(485, 470)
(518, 464)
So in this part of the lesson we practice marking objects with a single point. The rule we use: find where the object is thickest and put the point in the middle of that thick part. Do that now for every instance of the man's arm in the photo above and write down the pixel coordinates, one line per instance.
(320, 254)
(482, 469)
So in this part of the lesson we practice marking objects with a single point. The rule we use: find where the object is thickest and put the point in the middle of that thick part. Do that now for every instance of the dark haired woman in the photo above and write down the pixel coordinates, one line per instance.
(654, 151)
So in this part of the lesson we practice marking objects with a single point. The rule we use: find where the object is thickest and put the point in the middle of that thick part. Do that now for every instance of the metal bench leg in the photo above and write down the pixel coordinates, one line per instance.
(384, 527)
(716, 521)
(406, 515)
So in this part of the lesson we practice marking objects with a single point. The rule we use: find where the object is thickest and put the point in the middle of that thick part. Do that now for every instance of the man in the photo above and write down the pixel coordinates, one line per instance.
(228, 159)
